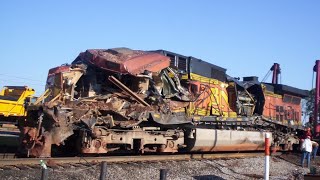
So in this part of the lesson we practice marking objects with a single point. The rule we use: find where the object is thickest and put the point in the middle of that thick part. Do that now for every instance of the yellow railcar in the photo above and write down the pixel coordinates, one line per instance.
(13, 100)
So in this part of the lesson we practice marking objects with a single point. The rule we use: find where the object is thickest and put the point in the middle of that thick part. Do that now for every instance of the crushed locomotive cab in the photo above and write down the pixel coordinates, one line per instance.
(116, 89)
(123, 100)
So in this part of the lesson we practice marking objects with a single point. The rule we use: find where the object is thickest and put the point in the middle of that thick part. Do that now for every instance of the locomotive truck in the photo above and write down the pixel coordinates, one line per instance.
(130, 101)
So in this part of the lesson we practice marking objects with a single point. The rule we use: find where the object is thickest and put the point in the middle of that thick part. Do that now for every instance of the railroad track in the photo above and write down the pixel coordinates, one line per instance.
(7, 156)
(124, 159)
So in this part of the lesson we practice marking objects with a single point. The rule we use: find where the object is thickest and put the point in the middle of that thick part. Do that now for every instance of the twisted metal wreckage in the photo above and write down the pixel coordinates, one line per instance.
(122, 100)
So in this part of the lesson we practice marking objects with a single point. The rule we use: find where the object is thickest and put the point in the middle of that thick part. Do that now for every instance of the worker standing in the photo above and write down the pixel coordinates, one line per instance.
(307, 133)
(306, 151)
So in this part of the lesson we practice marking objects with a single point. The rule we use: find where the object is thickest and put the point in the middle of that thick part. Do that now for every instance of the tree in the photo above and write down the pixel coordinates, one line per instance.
(309, 106)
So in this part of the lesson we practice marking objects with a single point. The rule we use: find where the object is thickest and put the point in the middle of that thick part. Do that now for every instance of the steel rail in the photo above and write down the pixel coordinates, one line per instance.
(125, 159)
(7, 156)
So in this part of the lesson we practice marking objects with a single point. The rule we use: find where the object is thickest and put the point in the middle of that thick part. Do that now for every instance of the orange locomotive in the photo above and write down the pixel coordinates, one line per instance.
(123, 100)
(223, 96)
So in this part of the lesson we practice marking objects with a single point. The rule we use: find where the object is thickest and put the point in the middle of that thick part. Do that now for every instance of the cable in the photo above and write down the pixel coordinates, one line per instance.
(22, 82)
(266, 76)
(20, 77)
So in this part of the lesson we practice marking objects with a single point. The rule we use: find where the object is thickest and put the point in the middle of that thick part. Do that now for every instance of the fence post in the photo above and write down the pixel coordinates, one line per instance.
(44, 170)
(267, 156)
(163, 174)
(44, 174)
(103, 171)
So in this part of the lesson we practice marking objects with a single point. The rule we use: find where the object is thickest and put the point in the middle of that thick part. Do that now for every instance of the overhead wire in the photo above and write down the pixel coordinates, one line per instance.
(266, 76)
(18, 77)
(8, 81)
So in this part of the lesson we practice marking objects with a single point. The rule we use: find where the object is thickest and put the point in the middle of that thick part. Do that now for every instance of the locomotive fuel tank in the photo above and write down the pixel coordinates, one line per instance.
(212, 140)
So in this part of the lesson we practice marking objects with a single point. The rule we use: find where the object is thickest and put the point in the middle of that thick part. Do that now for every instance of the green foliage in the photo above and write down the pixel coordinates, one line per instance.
(310, 103)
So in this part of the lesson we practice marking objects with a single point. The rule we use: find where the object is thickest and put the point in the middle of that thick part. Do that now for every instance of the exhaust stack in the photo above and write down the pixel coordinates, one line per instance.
(276, 71)
(316, 69)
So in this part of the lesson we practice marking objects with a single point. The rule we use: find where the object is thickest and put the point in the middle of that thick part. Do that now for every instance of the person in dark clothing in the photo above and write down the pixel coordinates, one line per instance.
(315, 147)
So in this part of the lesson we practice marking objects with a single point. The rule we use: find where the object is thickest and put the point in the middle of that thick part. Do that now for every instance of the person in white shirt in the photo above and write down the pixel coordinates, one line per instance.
(306, 151)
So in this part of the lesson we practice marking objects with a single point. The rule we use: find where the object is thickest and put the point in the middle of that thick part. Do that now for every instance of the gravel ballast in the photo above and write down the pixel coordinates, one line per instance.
(282, 167)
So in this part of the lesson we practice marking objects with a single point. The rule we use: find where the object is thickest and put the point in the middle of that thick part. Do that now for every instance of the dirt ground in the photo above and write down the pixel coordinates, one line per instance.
(284, 167)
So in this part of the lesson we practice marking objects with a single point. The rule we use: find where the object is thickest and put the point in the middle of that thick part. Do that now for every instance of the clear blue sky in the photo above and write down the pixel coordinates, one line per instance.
(246, 37)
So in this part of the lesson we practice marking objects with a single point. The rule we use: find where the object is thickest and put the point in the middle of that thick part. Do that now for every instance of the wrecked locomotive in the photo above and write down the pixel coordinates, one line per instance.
(123, 100)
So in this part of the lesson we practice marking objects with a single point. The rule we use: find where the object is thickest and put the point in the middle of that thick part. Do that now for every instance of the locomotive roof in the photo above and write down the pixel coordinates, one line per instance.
(191, 57)
(124, 60)
(189, 64)
(285, 89)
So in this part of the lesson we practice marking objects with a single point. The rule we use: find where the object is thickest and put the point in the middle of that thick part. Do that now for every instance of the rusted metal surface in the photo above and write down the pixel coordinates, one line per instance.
(58, 69)
(123, 100)
(125, 61)
(166, 141)
(87, 99)
(126, 89)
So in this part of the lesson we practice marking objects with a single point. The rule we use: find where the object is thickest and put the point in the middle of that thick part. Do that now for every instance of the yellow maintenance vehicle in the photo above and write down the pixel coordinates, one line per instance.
(13, 102)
